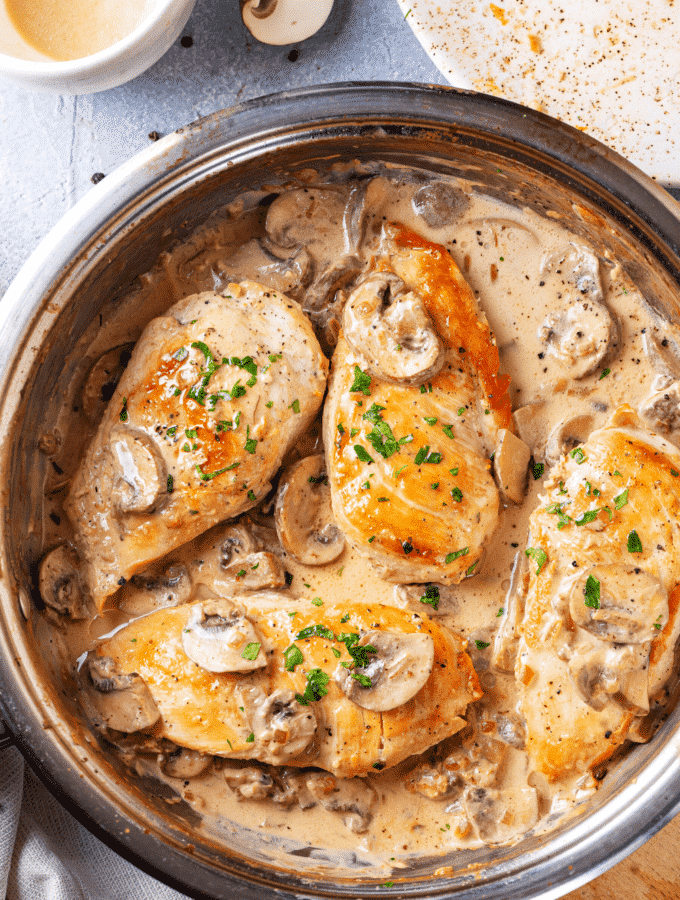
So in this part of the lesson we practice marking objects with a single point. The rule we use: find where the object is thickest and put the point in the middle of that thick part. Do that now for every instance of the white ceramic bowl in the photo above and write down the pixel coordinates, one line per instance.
(109, 68)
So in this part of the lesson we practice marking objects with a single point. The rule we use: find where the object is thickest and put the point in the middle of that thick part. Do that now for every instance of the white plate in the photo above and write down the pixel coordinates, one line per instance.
(607, 67)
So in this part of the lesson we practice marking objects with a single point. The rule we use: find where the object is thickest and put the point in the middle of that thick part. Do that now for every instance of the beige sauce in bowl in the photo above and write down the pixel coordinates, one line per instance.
(73, 29)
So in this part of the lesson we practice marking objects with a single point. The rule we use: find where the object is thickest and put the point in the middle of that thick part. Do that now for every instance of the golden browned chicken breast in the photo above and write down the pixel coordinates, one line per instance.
(347, 689)
(415, 409)
(215, 393)
(601, 620)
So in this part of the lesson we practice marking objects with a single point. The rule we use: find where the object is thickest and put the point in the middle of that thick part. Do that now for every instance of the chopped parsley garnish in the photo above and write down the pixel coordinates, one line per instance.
(578, 456)
(539, 556)
(275, 357)
(363, 680)
(457, 494)
(481, 645)
(240, 573)
(345, 618)
(634, 542)
(250, 738)
(374, 413)
(295, 406)
(558, 510)
(604, 374)
(431, 596)
(592, 592)
(341, 428)
(675, 473)
(621, 500)
(454, 471)
(251, 496)
(208, 476)
(366, 486)
(500, 612)
(360, 653)
(590, 490)
(246, 363)
(406, 439)
(471, 569)
(363, 454)
(461, 410)
(317, 630)
(424, 456)
(562, 489)
(269, 404)
(588, 516)
(237, 391)
(397, 472)
(407, 547)
(316, 687)
(292, 657)
(456, 553)
(371, 539)
(336, 653)
(124, 413)
(180, 354)
(383, 499)
(434, 485)
(353, 431)
(431, 420)
(250, 445)
(171, 484)
(362, 382)
(537, 470)
(250, 651)
(448, 431)
(317, 601)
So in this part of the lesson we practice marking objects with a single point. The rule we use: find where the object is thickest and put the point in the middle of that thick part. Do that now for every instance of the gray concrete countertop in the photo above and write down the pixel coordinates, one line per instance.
(50, 146)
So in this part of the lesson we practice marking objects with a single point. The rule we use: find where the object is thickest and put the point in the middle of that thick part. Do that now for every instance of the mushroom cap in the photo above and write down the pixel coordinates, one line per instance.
(60, 584)
(280, 22)
(304, 518)
(140, 476)
(581, 335)
(511, 462)
(619, 603)
(124, 702)
(218, 634)
(390, 328)
(399, 666)
(282, 727)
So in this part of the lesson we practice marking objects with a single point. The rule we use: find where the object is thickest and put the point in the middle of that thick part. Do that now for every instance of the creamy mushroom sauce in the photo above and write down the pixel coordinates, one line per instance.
(513, 260)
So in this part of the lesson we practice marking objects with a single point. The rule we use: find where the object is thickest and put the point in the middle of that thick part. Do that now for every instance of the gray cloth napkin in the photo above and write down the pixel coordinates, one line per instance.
(45, 854)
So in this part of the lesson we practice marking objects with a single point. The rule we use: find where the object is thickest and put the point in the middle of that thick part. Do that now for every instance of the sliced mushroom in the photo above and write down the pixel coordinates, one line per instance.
(60, 582)
(440, 203)
(304, 519)
(352, 797)
(102, 379)
(581, 336)
(185, 763)
(568, 434)
(619, 603)
(151, 590)
(280, 22)
(661, 408)
(601, 671)
(389, 327)
(306, 217)
(498, 816)
(238, 542)
(139, 473)
(578, 266)
(282, 727)
(218, 634)
(321, 293)
(511, 462)
(124, 702)
(530, 422)
(506, 642)
(398, 667)
(663, 350)
(249, 783)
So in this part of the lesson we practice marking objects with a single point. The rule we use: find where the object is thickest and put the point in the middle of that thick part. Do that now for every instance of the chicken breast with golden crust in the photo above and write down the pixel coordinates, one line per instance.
(601, 616)
(346, 689)
(415, 409)
(215, 393)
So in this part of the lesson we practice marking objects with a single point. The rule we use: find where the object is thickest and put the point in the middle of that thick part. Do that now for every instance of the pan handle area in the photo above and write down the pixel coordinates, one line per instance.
(6, 739)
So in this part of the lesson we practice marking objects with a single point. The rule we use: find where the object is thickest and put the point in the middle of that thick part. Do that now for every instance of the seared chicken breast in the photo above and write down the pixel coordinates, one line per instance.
(347, 689)
(415, 409)
(600, 621)
(214, 395)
